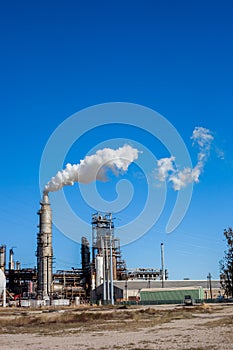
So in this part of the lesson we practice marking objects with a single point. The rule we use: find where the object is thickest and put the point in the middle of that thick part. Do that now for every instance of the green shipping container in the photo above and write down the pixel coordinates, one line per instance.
(170, 295)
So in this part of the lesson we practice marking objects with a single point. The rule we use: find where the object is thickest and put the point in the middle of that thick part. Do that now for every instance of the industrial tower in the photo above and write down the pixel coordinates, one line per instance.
(44, 250)
(107, 263)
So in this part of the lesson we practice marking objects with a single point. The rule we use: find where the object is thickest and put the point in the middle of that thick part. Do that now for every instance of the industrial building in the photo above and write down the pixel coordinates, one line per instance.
(171, 295)
(102, 263)
(130, 290)
(103, 276)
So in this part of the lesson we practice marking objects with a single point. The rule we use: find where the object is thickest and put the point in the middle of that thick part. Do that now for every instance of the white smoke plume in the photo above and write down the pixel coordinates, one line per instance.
(94, 167)
(167, 169)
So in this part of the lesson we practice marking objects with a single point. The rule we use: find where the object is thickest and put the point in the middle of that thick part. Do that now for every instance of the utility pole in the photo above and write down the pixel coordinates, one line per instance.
(162, 263)
(210, 284)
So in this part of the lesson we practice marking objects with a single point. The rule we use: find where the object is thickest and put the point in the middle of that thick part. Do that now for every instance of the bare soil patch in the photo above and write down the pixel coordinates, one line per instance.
(157, 327)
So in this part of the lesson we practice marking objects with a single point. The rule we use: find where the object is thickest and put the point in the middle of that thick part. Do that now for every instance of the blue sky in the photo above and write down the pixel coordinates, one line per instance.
(173, 57)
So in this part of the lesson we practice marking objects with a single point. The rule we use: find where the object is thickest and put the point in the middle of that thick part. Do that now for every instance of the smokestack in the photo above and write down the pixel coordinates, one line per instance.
(11, 260)
(44, 249)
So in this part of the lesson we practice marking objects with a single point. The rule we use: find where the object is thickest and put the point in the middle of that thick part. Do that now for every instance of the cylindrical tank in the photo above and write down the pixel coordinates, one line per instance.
(18, 266)
(57, 287)
(99, 270)
(11, 260)
(30, 287)
(3, 288)
(2, 257)
(77, 301)
(93, 282)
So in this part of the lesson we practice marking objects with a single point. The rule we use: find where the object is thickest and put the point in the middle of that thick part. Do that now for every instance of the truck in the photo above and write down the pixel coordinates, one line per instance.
(188, 301)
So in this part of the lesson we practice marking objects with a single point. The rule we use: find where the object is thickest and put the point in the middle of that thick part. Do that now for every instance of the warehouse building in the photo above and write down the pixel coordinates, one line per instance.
(132, 290)
(171, 295)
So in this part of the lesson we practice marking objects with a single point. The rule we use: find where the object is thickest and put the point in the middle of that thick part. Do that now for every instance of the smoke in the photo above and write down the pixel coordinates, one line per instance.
(94, 167)
(167, 169)
(203, 137)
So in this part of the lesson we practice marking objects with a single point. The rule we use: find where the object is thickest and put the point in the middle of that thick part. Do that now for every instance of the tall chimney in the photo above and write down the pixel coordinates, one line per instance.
(11, 260)
(44, 250)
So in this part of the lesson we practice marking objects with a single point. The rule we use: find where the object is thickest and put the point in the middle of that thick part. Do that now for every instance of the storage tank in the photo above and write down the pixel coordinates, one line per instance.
(99, 270)
(2, 257)
(18, 265)
(77, 301)
(3, 288)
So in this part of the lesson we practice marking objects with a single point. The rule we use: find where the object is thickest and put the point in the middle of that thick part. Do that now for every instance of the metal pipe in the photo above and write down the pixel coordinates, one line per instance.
(111, 262)
(4, 297)
(111, 273)
(107, 268)
(104, 276)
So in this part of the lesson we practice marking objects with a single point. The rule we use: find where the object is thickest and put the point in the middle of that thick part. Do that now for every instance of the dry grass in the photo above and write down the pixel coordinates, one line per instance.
(74, 320)
(220, 322)
(202, 327)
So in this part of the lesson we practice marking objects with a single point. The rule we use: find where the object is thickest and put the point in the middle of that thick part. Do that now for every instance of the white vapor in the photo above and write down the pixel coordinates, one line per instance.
(94, 167)
(167, 169)
(165, 166)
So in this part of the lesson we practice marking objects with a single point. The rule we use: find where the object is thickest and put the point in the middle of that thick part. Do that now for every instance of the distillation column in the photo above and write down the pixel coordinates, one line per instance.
(103, 255)
(44, 250)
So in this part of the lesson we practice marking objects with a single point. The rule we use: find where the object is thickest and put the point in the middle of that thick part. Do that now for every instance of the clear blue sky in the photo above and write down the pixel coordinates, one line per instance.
(58, 57)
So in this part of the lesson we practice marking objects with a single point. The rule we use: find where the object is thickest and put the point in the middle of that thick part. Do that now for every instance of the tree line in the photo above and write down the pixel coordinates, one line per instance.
(226, 264)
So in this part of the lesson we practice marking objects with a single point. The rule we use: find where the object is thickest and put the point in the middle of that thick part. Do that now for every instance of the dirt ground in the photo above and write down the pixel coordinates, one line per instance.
(168, 327)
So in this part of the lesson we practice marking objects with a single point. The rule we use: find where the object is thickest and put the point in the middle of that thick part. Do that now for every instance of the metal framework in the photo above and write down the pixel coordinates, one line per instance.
(103, 255)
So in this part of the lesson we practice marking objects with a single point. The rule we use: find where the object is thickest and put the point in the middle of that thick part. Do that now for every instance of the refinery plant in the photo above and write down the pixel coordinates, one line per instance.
(103, 277)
